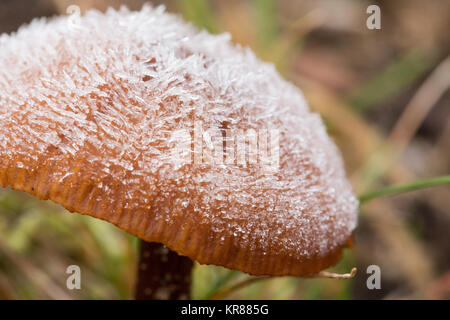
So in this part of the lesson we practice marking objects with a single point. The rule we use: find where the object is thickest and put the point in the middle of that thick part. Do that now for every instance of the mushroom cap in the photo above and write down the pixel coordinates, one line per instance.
(88, 111)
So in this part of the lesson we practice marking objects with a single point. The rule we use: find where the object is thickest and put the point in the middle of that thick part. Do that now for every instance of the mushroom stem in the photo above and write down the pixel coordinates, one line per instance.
(162, 273)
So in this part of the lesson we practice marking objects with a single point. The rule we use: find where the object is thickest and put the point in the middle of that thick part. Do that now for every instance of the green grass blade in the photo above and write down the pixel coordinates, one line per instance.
(397, 76)
(266, 21)
(405, 188)
(200, 13)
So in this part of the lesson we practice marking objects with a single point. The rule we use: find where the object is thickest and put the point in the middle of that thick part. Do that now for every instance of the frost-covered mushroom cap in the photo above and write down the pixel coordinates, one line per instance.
(88, 109)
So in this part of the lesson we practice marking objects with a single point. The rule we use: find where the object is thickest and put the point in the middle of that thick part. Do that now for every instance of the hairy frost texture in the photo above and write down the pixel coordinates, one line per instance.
(99, 98)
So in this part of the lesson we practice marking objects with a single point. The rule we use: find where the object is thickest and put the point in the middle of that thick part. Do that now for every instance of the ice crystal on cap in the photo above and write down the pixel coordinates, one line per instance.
(87, 108)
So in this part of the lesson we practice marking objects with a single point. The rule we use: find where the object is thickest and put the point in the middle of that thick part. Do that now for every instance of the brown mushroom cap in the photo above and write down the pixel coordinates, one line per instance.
(87, 112)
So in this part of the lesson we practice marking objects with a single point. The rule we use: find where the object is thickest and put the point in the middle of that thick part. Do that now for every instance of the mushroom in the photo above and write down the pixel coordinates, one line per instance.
(89, 109)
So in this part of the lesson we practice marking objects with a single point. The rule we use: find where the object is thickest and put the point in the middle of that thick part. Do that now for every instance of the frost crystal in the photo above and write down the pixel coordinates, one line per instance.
(92, 103)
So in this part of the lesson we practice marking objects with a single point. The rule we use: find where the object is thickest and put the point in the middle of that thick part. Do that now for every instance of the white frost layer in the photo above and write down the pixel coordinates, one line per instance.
(84, 79)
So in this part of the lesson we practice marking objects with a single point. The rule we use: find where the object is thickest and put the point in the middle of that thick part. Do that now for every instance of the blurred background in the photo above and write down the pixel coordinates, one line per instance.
(384, 97)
